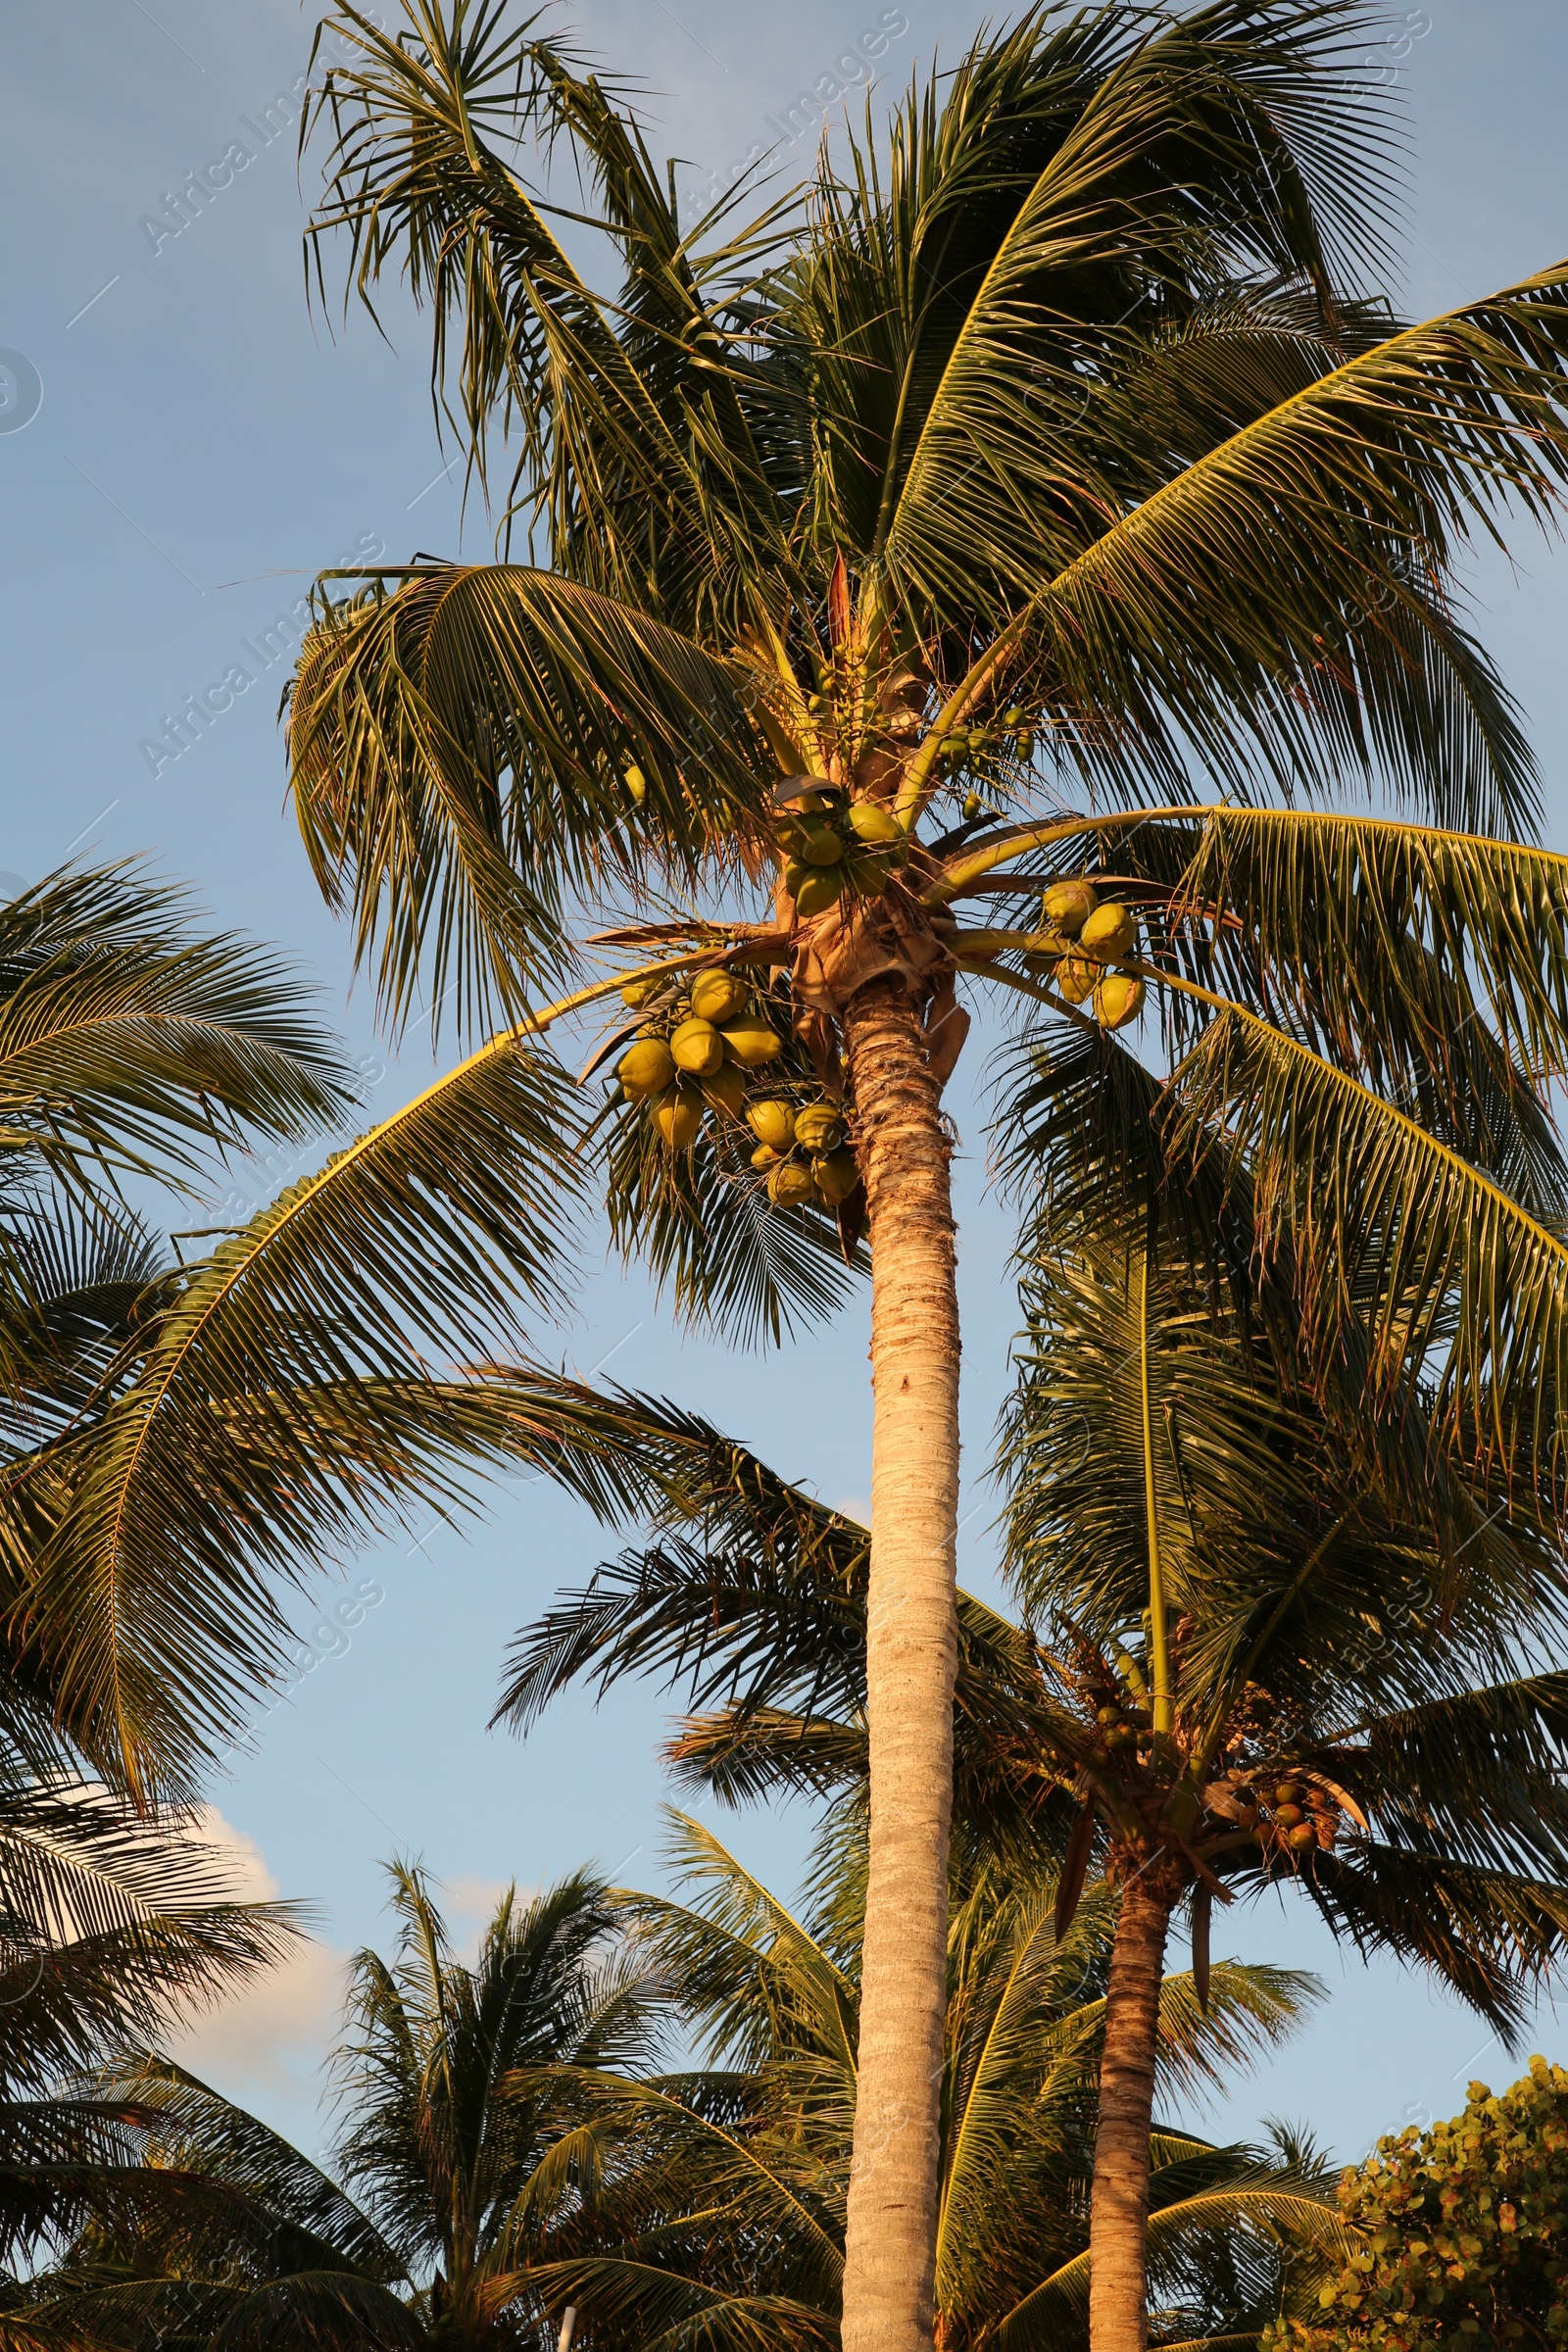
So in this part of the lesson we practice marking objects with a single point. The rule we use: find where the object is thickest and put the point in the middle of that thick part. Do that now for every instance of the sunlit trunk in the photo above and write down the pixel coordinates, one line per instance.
(910, 1651)
(1118, 2225)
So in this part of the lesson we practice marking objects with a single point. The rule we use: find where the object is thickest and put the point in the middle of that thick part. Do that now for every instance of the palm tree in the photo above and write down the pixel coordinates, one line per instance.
(1364, 1705)
(469, 2160)
(511, 2154)
(1061, 436)
(758, 2139)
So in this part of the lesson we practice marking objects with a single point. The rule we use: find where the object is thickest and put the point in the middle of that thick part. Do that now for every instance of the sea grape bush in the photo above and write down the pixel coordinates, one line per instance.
(1462, 2233)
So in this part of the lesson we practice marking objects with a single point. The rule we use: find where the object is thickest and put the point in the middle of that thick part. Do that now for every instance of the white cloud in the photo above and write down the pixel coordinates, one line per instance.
(270, 2036)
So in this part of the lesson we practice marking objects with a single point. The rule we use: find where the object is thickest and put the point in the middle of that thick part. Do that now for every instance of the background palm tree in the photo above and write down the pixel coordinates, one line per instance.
(468, 2154)
(1062, 436)
(762, 2137)
(514, 2152)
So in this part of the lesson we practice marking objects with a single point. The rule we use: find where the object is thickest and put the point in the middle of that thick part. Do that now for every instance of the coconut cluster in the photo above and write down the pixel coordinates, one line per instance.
(831, 843)
(1082, 941)
(705, 1054)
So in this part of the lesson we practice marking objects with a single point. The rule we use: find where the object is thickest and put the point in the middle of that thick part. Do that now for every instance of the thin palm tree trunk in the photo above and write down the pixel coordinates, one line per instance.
(1118, 2216)
(910, 1652)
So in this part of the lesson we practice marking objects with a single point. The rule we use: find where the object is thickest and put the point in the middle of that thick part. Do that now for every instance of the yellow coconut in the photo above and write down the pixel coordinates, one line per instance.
(1067, 905)
(1108, 932)
(764, 1157)
(772, 1123)
(819, 892)
(637, 992)
(636, 784)
(1075, 979)
(817, 1126)
(726, 1091)
(837, 1174)
(1118, 999)
(678, 1118)
(698, 1049)
(821, 846)
(647, 1069)
(750, 1041)
(790, 1184)
(874, 823)
(718, 996)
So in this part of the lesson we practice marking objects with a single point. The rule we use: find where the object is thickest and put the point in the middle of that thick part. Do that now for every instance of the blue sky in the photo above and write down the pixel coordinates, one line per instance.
(199, 448)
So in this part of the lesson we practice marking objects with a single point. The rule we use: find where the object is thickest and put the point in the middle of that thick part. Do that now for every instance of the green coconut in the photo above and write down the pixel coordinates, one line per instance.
(698, 1049)
(1067, 905)
(646, 1069)
(726, 1091)
(772, 1123)
(750, 1041)
(818, 1126)
(821, 846)
(679, 1117)
(718, 996)
(790, 1184)
(819, 892)
(837, 1173)
(1118, 999)
(1109, 932)
(871, 822)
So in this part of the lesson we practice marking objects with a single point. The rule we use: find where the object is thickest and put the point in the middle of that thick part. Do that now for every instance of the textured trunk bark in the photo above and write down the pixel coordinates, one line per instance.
(910, 1652)
(1119, 2219)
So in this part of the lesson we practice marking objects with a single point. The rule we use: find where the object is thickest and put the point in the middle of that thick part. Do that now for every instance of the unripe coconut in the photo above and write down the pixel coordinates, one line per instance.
(1287, 1816)
(837, 1174)
(1302, 1838)
(1288, 1792)
(1076, 979)
(698, 1049)
(819, 892)
(647, 1069)
(817, 1126)
(636, 784)
(772, 1123)
(1068, 906)
(790, 1184)
(1118, 999)
(718, 996)
(972, 806)
(1108, 932)
(867, 878)
(764, 1157)
(636, 993)
(821, 846)
(678, 1118)
(751, 1041)
(1107, 1715)
(872, 822)
(726, 1091)
(796, 876)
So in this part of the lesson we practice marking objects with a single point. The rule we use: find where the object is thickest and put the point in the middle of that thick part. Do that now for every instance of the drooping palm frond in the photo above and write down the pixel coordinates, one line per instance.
(459, 752)
(111, 1927)
(127, 1040)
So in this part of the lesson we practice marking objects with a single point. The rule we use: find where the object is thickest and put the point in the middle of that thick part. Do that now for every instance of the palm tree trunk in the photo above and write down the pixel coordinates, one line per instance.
(1118, 2216)
(912, 1641)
